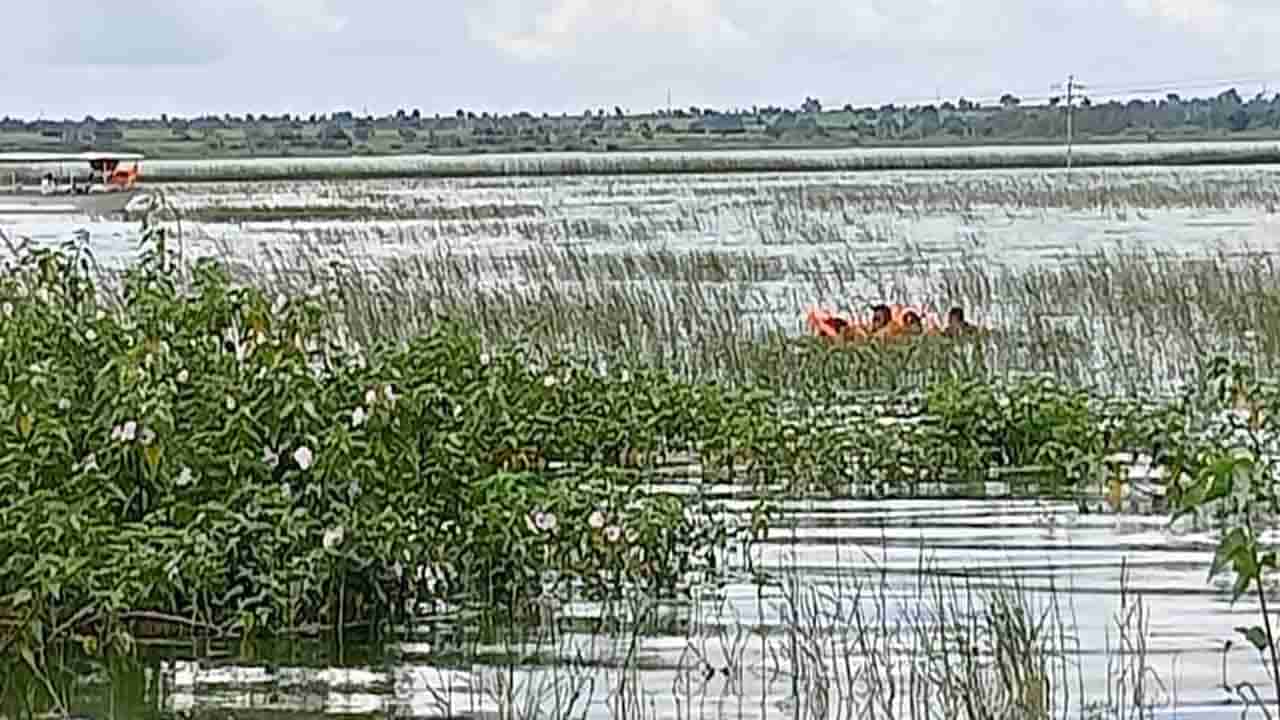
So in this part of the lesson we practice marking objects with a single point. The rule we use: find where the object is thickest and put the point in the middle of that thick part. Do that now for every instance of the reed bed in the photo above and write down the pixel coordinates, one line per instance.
(657, 163)
(833, 196)
(853, 645)
(1125, 319)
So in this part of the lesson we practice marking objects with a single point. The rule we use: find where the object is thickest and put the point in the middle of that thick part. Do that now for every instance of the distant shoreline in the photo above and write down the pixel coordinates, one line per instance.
(996, 156)
(883, 159)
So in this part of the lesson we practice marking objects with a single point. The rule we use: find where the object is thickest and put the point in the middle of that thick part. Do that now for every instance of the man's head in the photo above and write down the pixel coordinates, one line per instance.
(881, 316)
(955, 316)
(911, 321)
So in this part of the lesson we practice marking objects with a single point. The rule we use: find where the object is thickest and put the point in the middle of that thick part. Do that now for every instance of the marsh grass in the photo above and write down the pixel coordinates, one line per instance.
(1123, 320)
(656, 163)
(856, 644)
(773, 210)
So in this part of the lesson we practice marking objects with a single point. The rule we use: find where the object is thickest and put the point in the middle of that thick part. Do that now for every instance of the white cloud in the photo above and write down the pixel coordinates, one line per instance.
(301, 16)
(557, 29)
(1198, 14)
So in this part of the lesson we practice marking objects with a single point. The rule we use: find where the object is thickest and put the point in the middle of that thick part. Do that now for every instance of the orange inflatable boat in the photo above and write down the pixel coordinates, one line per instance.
(904, 321)
(828, 325)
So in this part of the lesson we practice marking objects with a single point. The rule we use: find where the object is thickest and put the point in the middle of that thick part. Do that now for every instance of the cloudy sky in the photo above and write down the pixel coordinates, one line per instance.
(71, 58)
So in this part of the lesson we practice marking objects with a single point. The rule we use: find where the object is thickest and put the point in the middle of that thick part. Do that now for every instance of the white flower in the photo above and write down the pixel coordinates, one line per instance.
(613, 533)
(626, 376)
(117, 433)
(100, 316)
(371, 397)
(183, 376)
(90, 463)
(64, 404)
(90, 335)
(333, 538)
(8, 309)
(185, 477)
(596, 520)
(358, 417)
(231, 403)
(303, 457)
(129, 431)
(484, 359)
(544, 521)
(549, 381)
(390, 394)
(270, 458)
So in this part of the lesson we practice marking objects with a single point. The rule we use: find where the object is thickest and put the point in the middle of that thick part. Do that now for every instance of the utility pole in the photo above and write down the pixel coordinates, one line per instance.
(1071, 87)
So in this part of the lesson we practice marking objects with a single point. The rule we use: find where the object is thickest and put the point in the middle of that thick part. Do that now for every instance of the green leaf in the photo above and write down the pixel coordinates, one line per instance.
(1255, 635)
(1241, 586)
(29, 658)
(1225, 553)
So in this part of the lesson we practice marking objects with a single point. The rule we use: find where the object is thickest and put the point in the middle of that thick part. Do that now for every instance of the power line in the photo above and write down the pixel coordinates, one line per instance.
(1106, 89)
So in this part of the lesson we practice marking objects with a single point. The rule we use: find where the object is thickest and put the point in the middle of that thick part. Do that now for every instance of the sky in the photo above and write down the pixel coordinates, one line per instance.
(131, 58)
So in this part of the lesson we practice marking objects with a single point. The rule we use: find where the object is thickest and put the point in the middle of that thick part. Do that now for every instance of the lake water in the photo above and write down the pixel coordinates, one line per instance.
(892, 551)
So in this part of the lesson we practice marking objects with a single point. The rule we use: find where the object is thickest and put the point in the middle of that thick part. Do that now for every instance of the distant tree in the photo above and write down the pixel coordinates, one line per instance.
(1230, 98)
(1238, 120)
(416, 114)
(929, 122)
(1008, 101)
(617, 110)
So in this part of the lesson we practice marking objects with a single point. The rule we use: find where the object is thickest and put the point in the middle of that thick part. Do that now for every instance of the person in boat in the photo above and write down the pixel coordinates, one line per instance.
(881, 319)
(46, 184)
(912, 323)
(957, 325)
